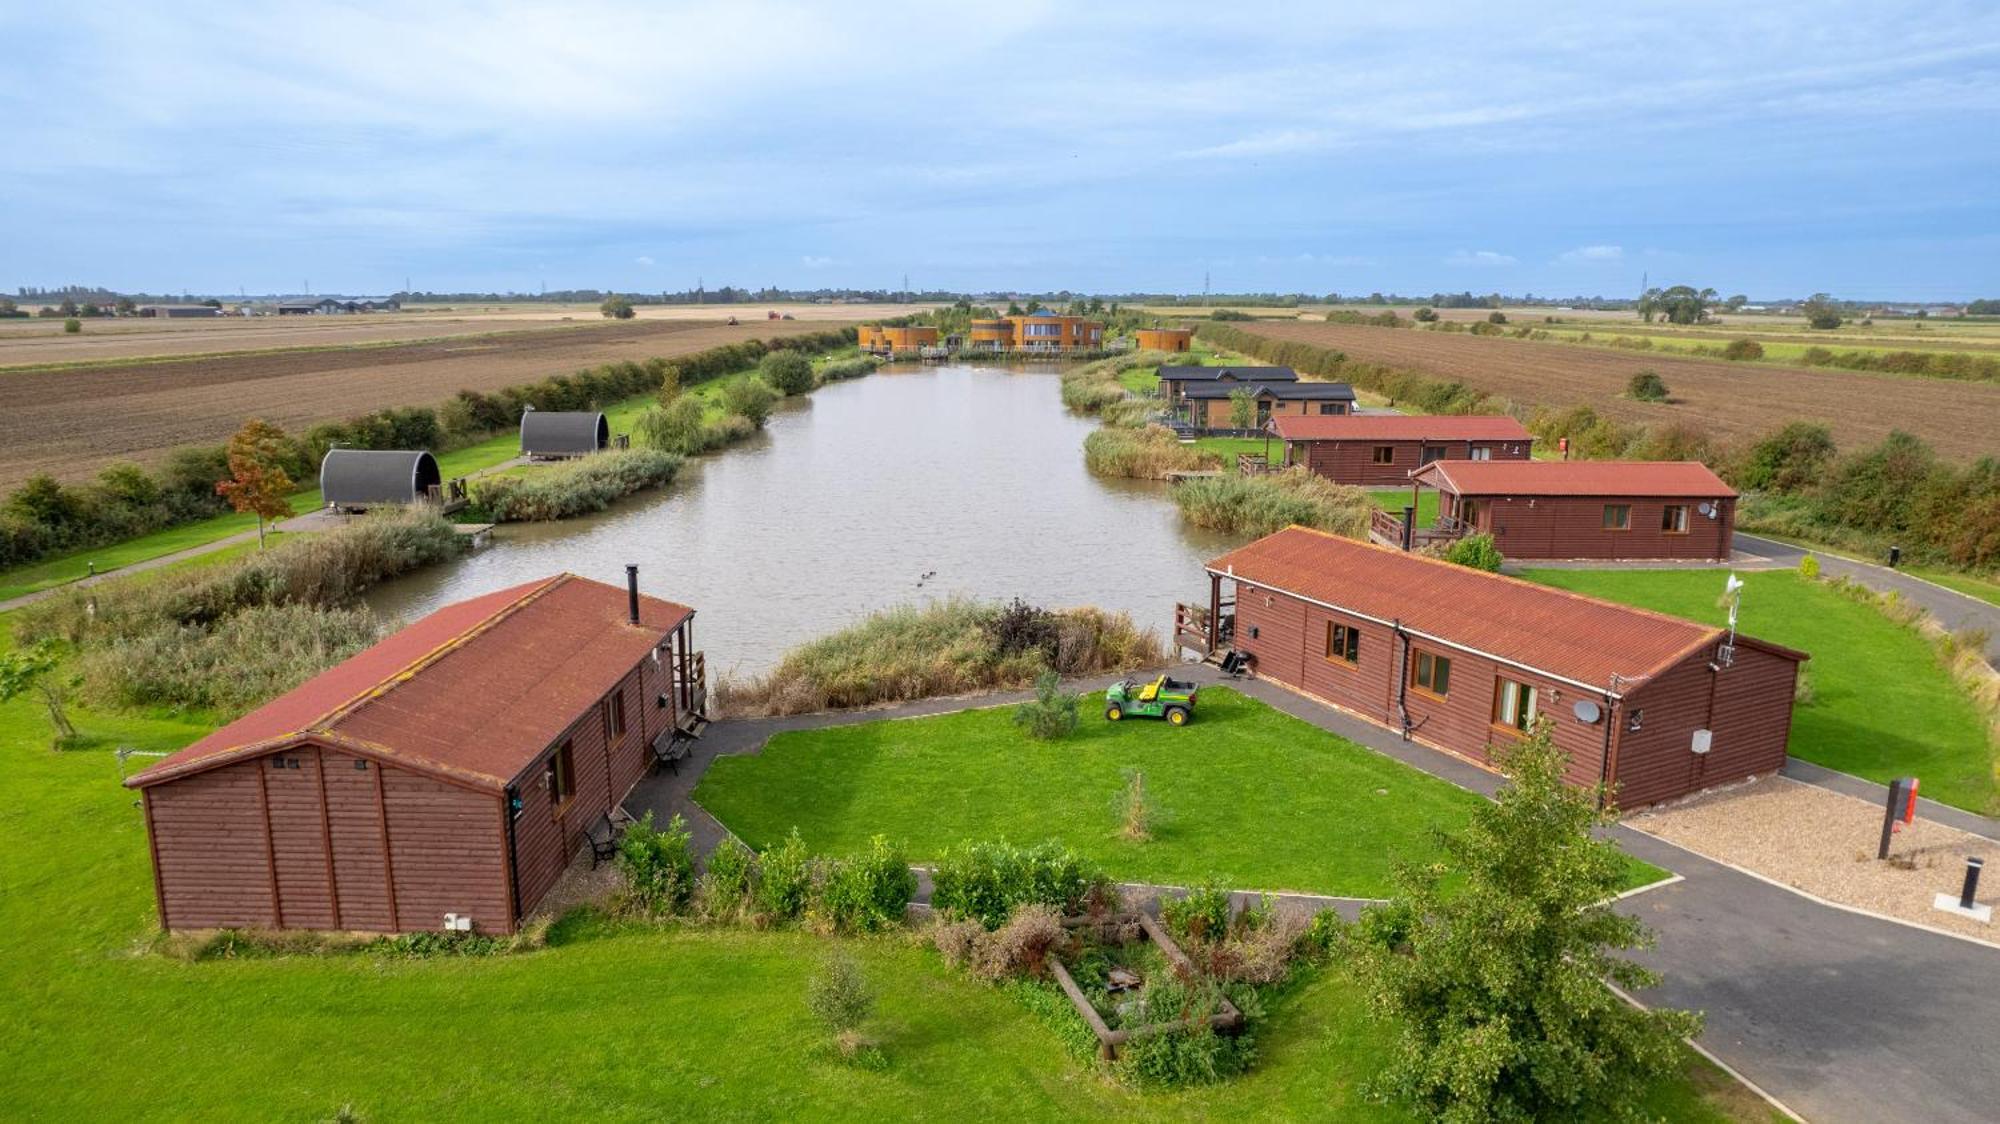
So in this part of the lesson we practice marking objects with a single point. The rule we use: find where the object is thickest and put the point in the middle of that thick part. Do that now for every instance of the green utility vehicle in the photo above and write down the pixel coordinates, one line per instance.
(1165, 698)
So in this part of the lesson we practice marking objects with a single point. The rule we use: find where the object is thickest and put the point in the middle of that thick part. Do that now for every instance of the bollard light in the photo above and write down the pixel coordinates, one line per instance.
(1973, 865)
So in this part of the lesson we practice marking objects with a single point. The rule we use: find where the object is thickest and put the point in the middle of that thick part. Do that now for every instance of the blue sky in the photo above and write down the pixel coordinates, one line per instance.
(1107, 147)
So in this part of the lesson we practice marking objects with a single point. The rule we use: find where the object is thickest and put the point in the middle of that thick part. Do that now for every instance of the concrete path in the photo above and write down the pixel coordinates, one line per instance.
(1953, 609)
(133, 568)
(1840, 1015)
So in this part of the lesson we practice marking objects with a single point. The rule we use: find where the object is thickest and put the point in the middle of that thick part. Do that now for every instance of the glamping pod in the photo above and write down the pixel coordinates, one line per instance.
(563, 433)
(358, 479)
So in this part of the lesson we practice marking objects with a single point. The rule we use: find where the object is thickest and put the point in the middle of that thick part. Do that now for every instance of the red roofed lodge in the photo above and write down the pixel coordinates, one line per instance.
(1467, 661)
(1381, 450)
(451, 770)
(1631, 510)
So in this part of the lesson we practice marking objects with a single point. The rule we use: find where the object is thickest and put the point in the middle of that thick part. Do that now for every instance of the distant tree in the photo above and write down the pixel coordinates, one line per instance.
(1647, 386)
(8, 307)
(72, 326)
(1736, 303)
(1242, 408)
(257, 481)
(1014, 309)
(90, 309)
(616, 308)
(787, 371)
(1033, 307)
(211, 303)
(125, 307)
(66, 308)
(1682, 304)
(1425, 314)
(1983, 307)
(1496, 318)
(1792, 459)
(35, 669)
(1820, 312)
(1745, 348)
(1492, 962)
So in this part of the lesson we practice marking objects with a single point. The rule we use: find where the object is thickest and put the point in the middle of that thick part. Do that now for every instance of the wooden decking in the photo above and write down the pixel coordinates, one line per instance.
(1386, 529)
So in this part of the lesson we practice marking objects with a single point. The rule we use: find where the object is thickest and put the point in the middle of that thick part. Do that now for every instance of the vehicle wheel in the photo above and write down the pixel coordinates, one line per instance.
(1177, 716)
(1113, 712)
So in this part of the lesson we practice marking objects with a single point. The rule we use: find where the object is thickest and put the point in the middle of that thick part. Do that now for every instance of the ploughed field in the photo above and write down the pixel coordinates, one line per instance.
(1732, 401)
(72, 421)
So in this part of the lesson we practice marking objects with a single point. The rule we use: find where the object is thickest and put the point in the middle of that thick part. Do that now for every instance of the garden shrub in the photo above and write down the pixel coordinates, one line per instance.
(751, 398)
(1202, 915)
(785, 880)
(1192, 1053)
(985, 881)
(839, 997)
(1647, 386)
(727, 889)
(1051, 714)
(658, 867)
(868, 892)
(787, 372)
(1743, 349)
(1475, 551)
(1809, 568)
(579, 487)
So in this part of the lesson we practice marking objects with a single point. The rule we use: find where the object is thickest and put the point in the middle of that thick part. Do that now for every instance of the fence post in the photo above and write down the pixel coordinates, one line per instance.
(1409, 526)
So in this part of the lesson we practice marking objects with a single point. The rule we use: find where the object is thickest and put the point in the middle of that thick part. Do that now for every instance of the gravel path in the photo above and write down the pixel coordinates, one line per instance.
(1824, 842)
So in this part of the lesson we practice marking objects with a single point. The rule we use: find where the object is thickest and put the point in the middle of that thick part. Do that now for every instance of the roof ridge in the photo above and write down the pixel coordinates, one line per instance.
(1709, 630)
(401, 675)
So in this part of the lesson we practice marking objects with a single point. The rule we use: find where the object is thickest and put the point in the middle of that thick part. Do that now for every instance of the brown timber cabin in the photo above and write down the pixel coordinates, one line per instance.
(1381, 450)
(452, 768)
(1632, 510)
(1465, 661)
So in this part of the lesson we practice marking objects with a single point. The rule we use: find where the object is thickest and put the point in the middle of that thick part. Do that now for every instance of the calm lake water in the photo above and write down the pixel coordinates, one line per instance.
(852, 495)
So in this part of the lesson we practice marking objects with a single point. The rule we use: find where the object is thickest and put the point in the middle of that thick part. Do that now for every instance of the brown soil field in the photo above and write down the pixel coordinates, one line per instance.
(1733, 402)
(35, 342)
(72, 421)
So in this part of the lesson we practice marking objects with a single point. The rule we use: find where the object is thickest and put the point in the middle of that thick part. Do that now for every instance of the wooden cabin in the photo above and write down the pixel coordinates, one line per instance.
(1612, 510)
(1381, 450)
(449, 772)
(1211, 406)
(1467, 661)
(1175, 379)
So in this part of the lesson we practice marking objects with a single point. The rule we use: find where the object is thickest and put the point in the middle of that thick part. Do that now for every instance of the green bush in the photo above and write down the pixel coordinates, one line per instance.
(1202, 916)
(1743, 349)
(1229, 314)
(1192, 1053)
(1259, 505)
(1647, 386)
(1475, 551)
(1425, 315)
(72, 326)
(868, 892)
(788, 372)
(1496, 318)
(1051, 714)
(658, 867)
(589, 484)
(616, 308)
(843, 369)
(838, 995)
(750, 398)
(674, 428)
(785, 880)
(985, 881)
(728, 888)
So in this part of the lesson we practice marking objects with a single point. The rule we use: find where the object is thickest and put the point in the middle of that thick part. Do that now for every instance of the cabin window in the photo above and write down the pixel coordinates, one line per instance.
(1481, 452)
(1617, 516)
(1674, 519)
(1385, 454)
(1431, 453)
(1432, 673)
(1343, 642)
(562, 778)
(614, 716)
(1329, 407)
(1514, 705)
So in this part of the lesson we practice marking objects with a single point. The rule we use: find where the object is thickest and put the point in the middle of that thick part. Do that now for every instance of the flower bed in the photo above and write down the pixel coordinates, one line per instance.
(1115, 982)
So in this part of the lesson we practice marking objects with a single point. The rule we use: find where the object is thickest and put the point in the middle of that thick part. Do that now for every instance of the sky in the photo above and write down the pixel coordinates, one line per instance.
(1772, 150)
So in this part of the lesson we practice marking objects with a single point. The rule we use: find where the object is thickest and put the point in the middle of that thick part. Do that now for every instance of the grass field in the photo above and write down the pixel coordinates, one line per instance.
(1883, 707)
(1732, 401)
(1241, 776)
(1395, 499)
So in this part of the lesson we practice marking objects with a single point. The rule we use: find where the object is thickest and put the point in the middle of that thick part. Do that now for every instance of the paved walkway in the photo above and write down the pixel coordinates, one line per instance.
(1839, 1015)
(133, 568)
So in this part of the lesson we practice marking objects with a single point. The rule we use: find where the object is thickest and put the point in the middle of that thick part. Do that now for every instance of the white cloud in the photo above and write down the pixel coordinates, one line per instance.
(1479, 258)
(812, 262)
(1592, 254)
(643, 259)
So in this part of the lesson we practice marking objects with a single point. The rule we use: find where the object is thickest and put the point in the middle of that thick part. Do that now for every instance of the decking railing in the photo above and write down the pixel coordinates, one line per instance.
(1255, 464)
(1191, 627)
(1386, 528)
(691, 686)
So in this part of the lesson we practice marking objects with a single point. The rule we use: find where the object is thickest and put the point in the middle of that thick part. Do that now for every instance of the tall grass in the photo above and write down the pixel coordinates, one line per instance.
(243, 660)
(582, 486)
(1144, 454)
(1259, 505)
(947, 648)
(1090, 388)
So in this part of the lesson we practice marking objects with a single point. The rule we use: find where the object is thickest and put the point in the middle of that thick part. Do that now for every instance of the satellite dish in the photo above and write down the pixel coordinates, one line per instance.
(1707, 509)
(1587, 712)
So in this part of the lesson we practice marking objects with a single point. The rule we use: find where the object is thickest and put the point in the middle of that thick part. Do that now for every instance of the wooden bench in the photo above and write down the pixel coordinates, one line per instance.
(603, 834)
(672, 749)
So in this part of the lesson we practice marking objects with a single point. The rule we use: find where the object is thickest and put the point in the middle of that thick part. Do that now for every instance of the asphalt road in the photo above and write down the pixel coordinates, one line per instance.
(1953, 609)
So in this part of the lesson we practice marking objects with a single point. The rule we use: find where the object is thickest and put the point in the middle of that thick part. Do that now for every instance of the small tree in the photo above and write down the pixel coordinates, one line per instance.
(617, 308)
(1425, 315)
(1496, 318)
(787, 371)
(1493, 963)
(1242, 408)
(72, 325)
(1134, 809)
(839, 997)
(35, 669)
(1647, 386)
(1820, 312)
(257, 480)
(751, 397)
(1051, 714)
(1743, 349)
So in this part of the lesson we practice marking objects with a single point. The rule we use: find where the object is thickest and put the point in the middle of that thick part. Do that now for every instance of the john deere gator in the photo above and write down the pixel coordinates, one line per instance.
(1165, 698)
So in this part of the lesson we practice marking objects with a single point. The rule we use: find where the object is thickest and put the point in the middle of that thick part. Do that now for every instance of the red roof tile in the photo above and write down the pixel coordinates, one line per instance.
(474, 691)
(1562, 634)
(1399, 427)
(1578, 478)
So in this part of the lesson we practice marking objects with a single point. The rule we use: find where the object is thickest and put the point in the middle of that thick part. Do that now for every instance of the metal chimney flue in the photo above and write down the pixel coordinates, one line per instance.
(632, 591)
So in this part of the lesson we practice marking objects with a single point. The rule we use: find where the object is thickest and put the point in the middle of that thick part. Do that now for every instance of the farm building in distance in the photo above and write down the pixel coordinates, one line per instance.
(563, 433)
(1655, 706)
(179, 311)
(336, 306)
(1587, 509)
(452, 770)
(1164, 339)
(358, 479)
(1373, 450)
(1210, 405)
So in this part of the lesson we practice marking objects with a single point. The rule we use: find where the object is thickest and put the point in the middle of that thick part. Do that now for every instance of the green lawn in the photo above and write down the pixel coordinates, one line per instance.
(1396, 499)
(1883, 707)
(1229, 447)
(1250, 796)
